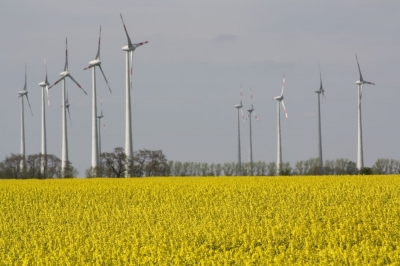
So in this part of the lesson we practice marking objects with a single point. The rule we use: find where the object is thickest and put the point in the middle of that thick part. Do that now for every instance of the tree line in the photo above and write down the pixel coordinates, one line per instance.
(147, 163)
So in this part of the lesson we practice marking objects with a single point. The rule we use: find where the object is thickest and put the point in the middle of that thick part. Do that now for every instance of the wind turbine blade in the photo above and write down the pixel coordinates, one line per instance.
(362, 85)
(251, 95)
(66, 55)
(105, 78)
(69, 115)
(320, 78)
(244, 119)
(48, 96)
(255, 116)
(29, 103)
(45, 66)
(98, 50)
(25, 88)
(367, 82)
(359, 69)
(136, 45)
(101, 113)
(127, 36)
(283, 84)
(77, 84)
(284, 108)
(88, 67)
(55, 83)
(131, 66)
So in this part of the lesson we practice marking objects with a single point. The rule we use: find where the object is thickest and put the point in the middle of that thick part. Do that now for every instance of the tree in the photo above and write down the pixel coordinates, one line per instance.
(114, 163)
(329, 167)
(271, 169)
(386, 166)
(11, 167)
(286, 169)
(228, 169)
(155, 162)
(144, 163)
(366, 171)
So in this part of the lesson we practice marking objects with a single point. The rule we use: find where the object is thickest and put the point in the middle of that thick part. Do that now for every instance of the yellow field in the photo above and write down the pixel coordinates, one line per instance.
(212, 221)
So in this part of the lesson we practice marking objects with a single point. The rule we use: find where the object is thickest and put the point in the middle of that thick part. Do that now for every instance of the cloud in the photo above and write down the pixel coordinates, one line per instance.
(225, 38)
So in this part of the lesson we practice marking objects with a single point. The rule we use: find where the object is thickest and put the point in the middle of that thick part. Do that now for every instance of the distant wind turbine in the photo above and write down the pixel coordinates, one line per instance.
(251, 110)
(64, 75)
(279, 100)
(93, 64)
(321, 93)
(360, 154)
(23, 93)
(45, 86)
(129, 49)
(239, 107)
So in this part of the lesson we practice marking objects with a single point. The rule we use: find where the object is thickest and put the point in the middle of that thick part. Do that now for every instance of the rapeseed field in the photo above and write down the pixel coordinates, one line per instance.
(337, 220)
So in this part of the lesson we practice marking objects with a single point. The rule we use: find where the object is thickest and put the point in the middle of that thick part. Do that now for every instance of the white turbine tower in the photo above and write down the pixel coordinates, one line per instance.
(251, 110)
(321, 93)
(23, 93)
(129, 49)
(279, 100)
(45, 86)
(93, 64)
(64, 75)
(360, 154)
(239, 107)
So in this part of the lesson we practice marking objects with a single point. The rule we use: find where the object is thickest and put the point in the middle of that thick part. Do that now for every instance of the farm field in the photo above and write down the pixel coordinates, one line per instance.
(194, 221)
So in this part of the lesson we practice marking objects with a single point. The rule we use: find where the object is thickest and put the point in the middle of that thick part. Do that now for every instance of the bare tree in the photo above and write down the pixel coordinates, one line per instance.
(114, 163)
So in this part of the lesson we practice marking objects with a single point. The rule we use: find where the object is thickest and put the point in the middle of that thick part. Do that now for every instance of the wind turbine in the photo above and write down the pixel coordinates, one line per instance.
(321, 93)
(23, 93)
(93, 64)
(279, 100)
(129, 49)
(251, 110)
(239, 107)
(45, 86)
(104, 125)
(64, 75)
(360, 83)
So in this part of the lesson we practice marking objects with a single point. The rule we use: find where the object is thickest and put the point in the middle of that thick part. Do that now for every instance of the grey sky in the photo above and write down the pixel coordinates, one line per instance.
(187, 79)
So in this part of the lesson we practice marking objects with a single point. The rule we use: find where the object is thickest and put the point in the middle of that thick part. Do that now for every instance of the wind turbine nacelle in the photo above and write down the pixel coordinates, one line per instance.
(238, 106)
(278, 98)
(23, 92)
(64, 73)
(43, 84)
(358, 82)
(126, 48)
(95, 62)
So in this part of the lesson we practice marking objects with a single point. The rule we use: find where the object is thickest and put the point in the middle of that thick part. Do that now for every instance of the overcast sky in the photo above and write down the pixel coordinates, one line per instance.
(187, 78)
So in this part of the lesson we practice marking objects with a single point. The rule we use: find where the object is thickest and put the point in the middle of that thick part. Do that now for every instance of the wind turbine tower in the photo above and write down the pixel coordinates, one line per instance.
(279, 100)
(64, 74)
(251, 110)
(45, 86)
(360, 154)
(23, 93)
(93, 64)
(320, 94)
(239, 107)
(129, 49)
